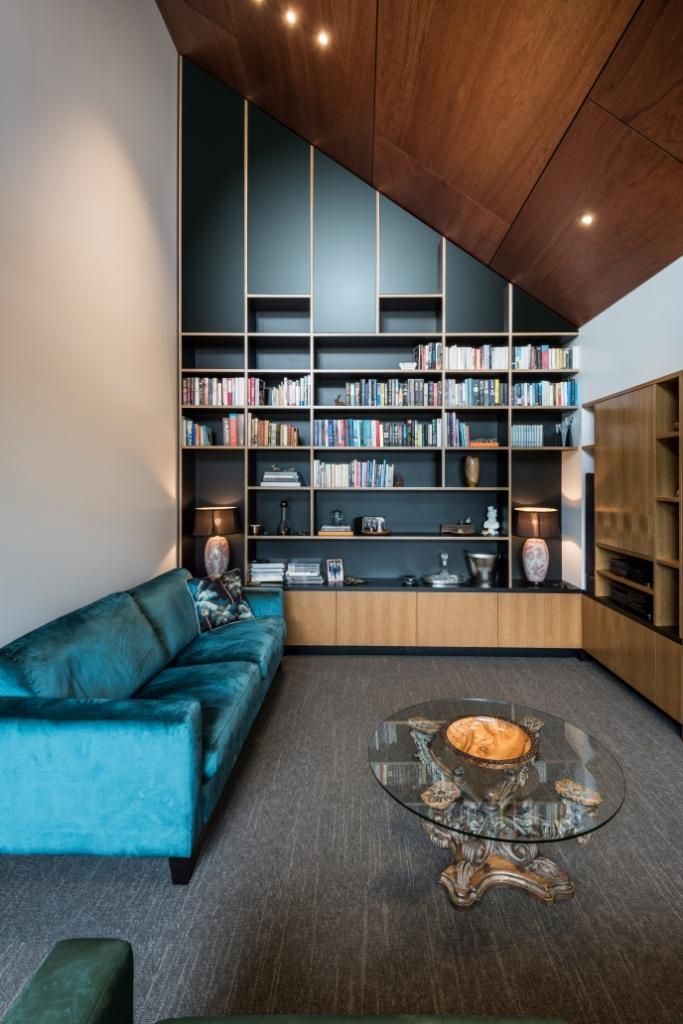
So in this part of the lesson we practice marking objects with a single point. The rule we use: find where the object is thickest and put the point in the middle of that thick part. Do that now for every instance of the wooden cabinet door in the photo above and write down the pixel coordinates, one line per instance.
(624, 471)
(311, 618)
(457, 620)
(539, 620)
(621, 645)
(376, 619)
(668, 679)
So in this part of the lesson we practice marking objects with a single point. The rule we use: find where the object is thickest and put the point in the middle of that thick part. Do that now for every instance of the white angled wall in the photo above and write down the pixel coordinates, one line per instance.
(88, 299)
(635, 340)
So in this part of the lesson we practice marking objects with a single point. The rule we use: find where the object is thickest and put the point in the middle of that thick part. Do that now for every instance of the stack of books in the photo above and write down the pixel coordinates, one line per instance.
(281, 478)
(335, 530)
(545, 392)
(304, 572)
(544, 357)
(459, 435)
(266, 572)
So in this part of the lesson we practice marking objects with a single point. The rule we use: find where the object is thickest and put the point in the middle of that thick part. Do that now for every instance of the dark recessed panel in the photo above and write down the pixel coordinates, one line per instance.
(213, 204)
(383, 559)
(279, 220)
(642, 83)
(632, 187)
(530, 315)
(410, 253)
(423, 512)
(344, 274)
(537, 480)
(210, 478)
(476, 297)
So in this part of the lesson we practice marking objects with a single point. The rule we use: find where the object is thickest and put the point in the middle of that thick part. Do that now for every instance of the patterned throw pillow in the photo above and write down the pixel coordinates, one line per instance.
(218, 600)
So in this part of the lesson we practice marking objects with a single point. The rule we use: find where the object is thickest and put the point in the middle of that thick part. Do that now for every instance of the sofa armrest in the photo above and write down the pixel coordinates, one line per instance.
(265, 601)
(96, 776)
(84, 981)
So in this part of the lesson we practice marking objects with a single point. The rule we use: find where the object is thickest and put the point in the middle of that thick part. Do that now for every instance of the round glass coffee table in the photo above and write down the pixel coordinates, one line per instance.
(490, 781)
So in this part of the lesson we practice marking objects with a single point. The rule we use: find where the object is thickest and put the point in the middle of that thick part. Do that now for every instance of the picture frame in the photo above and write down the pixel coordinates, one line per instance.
(335, 572)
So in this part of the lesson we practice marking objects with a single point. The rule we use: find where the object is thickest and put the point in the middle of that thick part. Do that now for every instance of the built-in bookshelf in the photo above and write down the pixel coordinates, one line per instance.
(357, 349)
(639, 532)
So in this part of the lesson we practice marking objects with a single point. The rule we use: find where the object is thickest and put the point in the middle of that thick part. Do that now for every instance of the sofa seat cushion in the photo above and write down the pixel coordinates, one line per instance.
(106, 650)
(166, 602)
(257, 640)
(225, 692)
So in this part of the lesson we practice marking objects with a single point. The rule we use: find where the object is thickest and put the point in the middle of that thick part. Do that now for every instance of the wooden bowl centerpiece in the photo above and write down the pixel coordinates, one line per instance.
(491, 742)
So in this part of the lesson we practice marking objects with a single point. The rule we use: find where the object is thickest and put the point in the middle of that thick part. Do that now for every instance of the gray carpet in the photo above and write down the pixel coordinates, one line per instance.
(317, 893)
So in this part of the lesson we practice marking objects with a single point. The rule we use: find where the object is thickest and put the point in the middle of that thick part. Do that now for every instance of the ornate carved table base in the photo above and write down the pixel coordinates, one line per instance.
(481, 864)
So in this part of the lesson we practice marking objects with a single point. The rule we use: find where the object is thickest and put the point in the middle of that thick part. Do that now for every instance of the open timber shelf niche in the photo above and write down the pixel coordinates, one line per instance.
(293, 269)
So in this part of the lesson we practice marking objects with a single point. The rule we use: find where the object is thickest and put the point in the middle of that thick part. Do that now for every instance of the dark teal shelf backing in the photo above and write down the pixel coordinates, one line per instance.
(530, 315)
(476, 298)
(344, 245)
(279, 210)
(213, 205)
(409, 261)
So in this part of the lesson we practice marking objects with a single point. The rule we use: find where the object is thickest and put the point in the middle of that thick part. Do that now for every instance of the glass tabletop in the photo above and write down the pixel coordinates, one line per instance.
(496, 770)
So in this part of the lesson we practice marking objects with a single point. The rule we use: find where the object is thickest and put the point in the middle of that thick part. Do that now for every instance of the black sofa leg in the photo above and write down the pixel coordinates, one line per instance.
(182, 868)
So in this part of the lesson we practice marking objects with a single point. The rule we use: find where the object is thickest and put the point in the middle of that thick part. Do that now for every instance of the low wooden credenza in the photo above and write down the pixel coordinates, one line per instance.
(421, 618)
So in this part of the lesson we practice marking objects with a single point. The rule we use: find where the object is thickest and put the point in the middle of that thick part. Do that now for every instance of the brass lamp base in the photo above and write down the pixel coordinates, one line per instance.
(482, 864)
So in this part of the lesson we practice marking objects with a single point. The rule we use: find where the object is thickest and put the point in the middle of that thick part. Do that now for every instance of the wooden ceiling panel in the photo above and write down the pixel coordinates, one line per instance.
(642, 83)
(494, 121)
(635, 192)
(481, 93)
(325, 95)
(412, 186)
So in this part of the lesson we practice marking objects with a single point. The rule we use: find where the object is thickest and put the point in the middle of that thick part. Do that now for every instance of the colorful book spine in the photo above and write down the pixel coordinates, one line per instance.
(266, 434)
(545, 393)
(486, 392)
(353, 433)
(288, 393)
(479, 357)
(358, 473)
(213, 390)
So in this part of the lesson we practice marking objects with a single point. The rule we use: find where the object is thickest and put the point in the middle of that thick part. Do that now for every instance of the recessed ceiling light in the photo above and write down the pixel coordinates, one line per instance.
(291, 16)
(323, 38)
(586, 219)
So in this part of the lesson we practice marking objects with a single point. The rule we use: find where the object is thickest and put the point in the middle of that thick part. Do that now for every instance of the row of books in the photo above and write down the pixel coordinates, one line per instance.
(481, 357)
(289, 392)
(487, 392)
(545, 392)
(201, 435)
(429, 356)
(358, 473)
(394, 392)
(459, 435)
(544, 357)
(213, 391)
(527, 435)
(266, 434)
(354, 433)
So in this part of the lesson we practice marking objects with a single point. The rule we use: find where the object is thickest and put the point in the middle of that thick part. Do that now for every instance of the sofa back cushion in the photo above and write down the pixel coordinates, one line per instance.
(166, 603)
(105, 650)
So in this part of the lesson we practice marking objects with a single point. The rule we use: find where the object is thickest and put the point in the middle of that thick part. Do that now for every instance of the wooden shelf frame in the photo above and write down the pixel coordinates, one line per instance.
(312, 347)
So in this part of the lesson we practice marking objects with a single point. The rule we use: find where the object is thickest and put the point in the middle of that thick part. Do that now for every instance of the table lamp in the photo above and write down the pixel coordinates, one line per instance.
(216, 522)
(536, 524)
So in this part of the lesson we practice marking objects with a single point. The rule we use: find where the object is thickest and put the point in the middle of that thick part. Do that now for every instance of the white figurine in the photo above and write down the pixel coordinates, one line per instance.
(491, 526)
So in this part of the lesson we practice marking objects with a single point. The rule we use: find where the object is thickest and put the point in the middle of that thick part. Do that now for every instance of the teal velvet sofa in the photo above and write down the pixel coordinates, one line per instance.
(90, 981)
(120, 723)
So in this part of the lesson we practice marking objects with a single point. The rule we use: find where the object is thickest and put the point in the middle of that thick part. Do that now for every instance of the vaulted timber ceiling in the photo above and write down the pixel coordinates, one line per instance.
(497, 122)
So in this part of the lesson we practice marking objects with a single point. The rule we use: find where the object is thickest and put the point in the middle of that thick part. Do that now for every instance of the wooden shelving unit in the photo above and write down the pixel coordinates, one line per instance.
(638, 531)
(333, 282)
